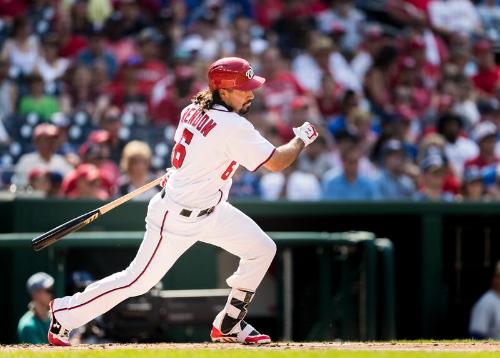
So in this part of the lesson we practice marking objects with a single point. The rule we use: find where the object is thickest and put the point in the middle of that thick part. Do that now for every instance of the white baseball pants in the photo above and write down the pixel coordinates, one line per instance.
(168, 235)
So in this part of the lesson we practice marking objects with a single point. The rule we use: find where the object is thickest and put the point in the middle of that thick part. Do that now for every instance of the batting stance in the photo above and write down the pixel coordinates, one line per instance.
(211, 142)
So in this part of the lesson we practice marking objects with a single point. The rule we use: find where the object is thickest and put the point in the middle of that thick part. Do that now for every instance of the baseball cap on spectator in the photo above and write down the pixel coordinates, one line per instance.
(472, 174)
(372, 31)
(45, 130)
(112, 114)
(482, 46)
(39, 281)
(484, 130)
(98, 136)
(432, 162)
(89, 172)
(149, 34)
(392, 146)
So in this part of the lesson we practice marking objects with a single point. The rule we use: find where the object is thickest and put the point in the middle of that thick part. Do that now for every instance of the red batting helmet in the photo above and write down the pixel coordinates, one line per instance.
(233, 73)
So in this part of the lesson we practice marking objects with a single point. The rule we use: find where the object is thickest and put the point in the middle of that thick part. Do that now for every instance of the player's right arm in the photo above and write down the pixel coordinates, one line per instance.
(286, 154)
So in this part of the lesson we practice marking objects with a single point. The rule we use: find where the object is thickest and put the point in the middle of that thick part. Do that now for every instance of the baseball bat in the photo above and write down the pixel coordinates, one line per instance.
(75, 224)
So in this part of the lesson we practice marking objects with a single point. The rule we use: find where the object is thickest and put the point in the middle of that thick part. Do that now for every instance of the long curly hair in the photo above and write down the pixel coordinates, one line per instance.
(205, 99)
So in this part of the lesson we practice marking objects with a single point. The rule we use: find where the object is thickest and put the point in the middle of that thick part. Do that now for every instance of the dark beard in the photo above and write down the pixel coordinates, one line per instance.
(245, 110)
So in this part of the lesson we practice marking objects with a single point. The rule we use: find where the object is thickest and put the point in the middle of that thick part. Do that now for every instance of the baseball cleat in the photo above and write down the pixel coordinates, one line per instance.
(58, 335)
(242, 333)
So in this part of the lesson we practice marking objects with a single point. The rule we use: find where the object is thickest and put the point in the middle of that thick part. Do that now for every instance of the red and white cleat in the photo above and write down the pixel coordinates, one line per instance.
(58, 335)
(242, 333)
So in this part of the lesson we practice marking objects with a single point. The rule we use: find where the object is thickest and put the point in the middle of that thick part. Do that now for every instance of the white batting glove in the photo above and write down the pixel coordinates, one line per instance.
(306, 132)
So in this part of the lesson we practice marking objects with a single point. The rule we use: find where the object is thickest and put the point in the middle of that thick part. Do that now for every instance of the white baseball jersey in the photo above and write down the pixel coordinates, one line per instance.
(208, 149)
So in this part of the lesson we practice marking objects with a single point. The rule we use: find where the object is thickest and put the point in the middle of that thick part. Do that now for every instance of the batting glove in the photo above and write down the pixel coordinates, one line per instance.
(306, 132)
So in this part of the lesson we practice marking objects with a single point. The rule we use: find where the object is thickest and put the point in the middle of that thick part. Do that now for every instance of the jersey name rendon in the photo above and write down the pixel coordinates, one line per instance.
(198, 120)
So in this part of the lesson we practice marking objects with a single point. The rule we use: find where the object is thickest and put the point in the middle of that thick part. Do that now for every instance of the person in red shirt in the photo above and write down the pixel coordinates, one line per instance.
(151, 69)
(173, 93)
(485, 135)
(281, 85)
(489, 73)
(84, 182)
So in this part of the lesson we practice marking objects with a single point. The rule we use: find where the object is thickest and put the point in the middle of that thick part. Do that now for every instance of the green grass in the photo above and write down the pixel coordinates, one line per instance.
(238, 353)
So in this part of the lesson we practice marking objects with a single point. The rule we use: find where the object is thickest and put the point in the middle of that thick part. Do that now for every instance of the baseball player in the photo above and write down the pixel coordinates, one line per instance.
(211, 141)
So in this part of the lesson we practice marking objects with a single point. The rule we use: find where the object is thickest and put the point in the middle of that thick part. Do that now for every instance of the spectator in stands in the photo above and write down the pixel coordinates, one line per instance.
(80, 23)
(245, 185)
(350, 101)
(172, 93)
(135, 163)
(71, 42)
(127, 19)
(489, 13)
(39, 182)
(485, 135)
(458, 149)
(309, 68)
(346, 141)
(359, 122)
(96, 150)
(22, 50)
(85, 182)
(45, 139)
(349, 185)
(454, 16)
(343, 13)
(316, 158)
(111, 122)
(8, 92)
(37, 101)
(80, 94)
(393, 183)
(281, 85)
(433, 178)
(50, 66)
(485, 315)
(473, 188)
(97, 53)
(377, 85)
(465, 103)
(488, 71)
(151, 67)
(33, 325)
(302, 185)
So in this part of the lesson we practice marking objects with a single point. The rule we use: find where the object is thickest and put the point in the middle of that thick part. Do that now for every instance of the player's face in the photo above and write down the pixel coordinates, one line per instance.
(239, 100)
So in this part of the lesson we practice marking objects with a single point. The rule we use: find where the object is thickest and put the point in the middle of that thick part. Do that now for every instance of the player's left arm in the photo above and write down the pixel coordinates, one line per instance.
(287, 153)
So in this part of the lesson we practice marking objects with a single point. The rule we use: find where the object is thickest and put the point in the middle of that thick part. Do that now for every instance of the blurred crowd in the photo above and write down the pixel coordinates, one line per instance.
(405, 93)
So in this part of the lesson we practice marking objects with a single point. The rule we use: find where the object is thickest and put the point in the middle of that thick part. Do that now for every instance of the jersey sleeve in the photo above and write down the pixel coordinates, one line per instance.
(248, 147)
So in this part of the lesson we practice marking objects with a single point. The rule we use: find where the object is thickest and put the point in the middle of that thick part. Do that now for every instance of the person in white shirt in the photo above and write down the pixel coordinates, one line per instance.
(485, 315)
(211, 141)
(454, 16)
(458, 149)
(45, 139)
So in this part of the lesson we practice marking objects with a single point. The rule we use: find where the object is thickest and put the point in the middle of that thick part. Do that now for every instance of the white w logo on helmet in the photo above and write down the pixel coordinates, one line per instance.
(249, 73)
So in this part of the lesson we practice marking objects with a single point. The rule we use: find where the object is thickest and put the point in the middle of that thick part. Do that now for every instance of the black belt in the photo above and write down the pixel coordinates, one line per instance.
(187, 213)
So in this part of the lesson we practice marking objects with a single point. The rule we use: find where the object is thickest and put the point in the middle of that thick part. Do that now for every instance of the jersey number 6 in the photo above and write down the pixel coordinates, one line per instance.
(179, 150)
